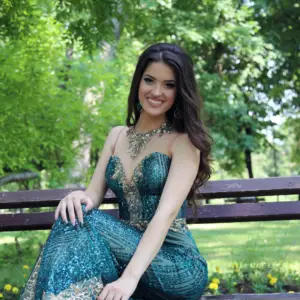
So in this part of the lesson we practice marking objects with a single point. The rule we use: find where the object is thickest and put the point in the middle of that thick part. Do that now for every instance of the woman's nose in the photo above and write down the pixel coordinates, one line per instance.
(157, 90)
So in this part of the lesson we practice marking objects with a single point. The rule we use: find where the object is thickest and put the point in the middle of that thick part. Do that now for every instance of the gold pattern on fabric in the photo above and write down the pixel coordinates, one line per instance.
(29, 291)
(138, 141)
(178, 225)
(133, 198)
(130, 189)
(83, 290)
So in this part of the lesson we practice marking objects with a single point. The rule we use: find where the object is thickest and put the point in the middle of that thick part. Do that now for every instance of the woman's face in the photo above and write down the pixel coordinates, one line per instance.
(157, 90)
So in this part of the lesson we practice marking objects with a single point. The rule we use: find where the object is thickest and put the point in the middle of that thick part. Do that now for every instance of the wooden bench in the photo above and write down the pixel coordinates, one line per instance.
(267, 211)
(249, 199)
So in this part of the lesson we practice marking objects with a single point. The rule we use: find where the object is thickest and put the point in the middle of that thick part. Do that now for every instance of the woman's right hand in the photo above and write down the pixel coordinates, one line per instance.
(72, 203)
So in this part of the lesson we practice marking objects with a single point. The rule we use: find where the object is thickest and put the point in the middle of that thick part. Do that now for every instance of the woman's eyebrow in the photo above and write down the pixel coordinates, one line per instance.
(170, 80)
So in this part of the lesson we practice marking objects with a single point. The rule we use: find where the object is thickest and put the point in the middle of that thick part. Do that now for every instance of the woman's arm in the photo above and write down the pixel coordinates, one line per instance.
(183, 171)
(94, 194)
(97, 187)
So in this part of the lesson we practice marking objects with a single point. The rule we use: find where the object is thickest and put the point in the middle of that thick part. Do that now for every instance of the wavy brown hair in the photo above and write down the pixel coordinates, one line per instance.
(187, 100)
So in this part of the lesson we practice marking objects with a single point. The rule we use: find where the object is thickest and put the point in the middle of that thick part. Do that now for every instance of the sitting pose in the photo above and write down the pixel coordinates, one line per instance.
(153, 165)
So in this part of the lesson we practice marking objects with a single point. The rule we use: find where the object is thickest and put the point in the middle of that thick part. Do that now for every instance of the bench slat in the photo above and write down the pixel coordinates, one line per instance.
(40, 198)
(211, 190)
(33, 221)
(206, 214)
(267, 211)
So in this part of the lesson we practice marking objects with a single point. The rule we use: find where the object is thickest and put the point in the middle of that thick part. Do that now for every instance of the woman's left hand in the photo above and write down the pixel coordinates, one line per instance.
(120, 289)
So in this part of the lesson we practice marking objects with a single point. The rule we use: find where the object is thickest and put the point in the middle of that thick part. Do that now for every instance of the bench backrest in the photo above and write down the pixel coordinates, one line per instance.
(286, 210)
(205, 214)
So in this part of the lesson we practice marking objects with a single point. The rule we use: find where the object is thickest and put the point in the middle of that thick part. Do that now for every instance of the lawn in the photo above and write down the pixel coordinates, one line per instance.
(274, 242)
(220, 244)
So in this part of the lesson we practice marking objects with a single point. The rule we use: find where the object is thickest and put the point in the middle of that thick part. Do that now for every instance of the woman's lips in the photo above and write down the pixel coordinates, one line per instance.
(154, 103)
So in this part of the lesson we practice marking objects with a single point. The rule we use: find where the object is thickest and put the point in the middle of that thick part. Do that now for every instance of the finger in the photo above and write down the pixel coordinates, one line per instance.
(78, 210)
(71, 211)
(88, 202)
(103, 294)
(110, 296)
(56, 215)
(63, 211)
(118, 296)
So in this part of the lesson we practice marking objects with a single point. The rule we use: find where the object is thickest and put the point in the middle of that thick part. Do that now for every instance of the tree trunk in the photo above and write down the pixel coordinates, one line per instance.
(248, 162)
(248, 159)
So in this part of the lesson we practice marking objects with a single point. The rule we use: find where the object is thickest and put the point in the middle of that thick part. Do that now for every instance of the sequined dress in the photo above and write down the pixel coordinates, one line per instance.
(75, 263)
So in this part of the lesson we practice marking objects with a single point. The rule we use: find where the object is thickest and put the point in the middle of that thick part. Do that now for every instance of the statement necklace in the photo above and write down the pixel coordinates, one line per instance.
(138, 141)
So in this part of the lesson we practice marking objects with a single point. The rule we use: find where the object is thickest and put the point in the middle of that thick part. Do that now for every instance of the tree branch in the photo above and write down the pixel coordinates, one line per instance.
(18, 177)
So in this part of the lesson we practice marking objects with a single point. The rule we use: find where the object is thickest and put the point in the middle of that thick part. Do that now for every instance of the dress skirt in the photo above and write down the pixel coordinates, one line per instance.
(76, 262)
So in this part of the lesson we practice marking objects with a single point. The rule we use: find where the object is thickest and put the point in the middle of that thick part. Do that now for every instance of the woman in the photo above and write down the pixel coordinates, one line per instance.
(153, 166)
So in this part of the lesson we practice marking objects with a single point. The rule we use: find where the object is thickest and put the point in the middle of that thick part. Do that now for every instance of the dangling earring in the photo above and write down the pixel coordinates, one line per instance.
(177, 113)
(139, 106)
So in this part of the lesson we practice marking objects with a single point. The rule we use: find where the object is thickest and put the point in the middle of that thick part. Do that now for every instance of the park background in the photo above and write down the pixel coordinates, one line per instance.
(65, 74)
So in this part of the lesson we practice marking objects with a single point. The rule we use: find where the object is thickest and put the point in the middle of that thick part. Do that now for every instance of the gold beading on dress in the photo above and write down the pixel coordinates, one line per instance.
(84, 290)
(178, 225)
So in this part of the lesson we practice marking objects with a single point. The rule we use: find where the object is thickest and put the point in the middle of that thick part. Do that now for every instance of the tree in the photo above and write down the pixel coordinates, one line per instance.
(237, 54)
(230, 57)
(47, 113)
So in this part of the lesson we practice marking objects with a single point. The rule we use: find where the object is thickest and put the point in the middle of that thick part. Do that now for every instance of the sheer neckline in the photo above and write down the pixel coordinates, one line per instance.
(138, 164)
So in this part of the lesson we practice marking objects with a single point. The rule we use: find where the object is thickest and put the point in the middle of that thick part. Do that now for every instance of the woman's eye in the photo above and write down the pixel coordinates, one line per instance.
(147, 79)
(170, 85)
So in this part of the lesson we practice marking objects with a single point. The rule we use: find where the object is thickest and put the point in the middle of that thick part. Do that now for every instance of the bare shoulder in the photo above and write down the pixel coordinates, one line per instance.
(114, 133)
(116, 130)
(183, 145)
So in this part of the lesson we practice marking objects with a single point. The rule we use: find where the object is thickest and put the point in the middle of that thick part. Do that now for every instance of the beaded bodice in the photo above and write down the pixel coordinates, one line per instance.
(139, 196)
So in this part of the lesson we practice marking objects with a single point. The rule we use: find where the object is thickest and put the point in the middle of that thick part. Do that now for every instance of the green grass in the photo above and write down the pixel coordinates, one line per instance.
(274, 242)
(12, 261)
(220, 244)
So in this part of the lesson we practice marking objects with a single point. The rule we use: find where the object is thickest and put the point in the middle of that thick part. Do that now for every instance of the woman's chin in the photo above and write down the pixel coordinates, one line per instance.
(153, 112)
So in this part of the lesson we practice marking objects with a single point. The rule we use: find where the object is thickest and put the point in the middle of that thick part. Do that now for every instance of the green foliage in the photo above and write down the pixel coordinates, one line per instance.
(253, 278)
(232, 59)
(29, 92)
(66, 68)
(41, 94)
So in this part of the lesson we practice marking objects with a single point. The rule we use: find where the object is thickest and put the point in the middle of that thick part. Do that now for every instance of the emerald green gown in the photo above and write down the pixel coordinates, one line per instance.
(77, 261)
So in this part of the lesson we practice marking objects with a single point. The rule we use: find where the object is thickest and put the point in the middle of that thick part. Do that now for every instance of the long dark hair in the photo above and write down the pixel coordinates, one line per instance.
(188, 101)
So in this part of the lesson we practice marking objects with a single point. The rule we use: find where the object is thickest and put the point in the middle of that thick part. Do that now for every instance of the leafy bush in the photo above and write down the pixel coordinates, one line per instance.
(253, 278)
